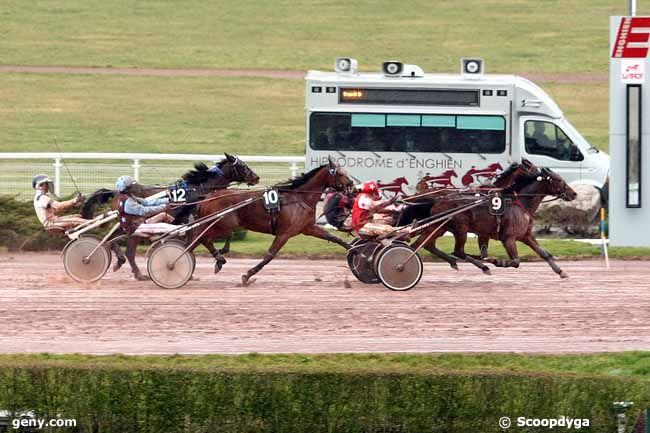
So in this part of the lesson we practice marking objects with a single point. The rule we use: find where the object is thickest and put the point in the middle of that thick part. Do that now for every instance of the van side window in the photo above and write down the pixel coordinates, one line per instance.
(546, 138)
(394, 132)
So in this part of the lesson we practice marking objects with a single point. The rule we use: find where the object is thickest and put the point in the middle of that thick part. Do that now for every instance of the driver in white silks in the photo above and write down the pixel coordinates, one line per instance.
(48, 209)
(143, 217)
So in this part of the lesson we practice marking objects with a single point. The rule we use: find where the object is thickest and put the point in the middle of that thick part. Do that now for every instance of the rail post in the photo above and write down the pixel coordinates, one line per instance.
(294, 169)
(136, 170)
(57, 176)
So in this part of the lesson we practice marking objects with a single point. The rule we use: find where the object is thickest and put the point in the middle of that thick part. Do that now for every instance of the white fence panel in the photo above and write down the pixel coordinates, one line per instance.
(92, 171)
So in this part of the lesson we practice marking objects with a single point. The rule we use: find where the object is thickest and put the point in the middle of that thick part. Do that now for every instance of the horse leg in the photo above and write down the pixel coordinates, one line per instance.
(277, 244)
(433, 249)
(532, 243)
(459, 251)
(321, 233)
(219, 260)
(121, 258)
(131, 248)
(226, 246)
(510, 244)
(483, 242)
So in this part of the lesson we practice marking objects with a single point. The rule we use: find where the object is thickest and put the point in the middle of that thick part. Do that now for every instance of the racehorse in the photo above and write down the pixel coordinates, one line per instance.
(422, 207)
(201, 181)
(297, 201)
(516, 224)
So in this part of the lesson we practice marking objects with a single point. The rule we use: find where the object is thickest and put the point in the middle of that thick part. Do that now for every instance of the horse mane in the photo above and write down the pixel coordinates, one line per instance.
(508, 171)
(520, 183)
(200, 174)
(300, 180)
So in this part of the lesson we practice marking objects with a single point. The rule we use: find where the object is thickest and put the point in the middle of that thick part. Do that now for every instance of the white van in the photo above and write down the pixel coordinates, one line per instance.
(401, 126)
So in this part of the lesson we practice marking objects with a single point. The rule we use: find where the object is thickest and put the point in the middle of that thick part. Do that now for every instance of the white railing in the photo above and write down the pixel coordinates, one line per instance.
(85, 170)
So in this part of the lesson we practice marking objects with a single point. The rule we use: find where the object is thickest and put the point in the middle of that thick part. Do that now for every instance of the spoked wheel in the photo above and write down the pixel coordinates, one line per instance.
(80, 265)
(170, 266)
(360, 260)
(398, 267)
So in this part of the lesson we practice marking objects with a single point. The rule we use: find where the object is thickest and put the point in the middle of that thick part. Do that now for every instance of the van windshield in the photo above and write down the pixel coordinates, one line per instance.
(546, 138)
(407, 133)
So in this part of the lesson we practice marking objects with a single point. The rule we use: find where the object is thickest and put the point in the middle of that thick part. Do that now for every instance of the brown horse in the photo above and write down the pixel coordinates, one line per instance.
(422, 208)
(296, 215)
(514, 225)
(200, 182)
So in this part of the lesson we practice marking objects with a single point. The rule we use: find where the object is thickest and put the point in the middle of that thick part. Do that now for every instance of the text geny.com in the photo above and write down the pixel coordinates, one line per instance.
(40, 423)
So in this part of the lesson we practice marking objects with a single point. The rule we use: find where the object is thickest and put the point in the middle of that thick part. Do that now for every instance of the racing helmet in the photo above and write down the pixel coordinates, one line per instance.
(370, 187)
(123, 183)
(40, 179)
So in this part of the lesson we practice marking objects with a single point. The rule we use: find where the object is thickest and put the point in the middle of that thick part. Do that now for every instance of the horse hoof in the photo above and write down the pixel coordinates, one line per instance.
(142, 277)
(454, 266)
(244, 280)
(217, 268)
(487, 271)
(564, 274)
(118, 264)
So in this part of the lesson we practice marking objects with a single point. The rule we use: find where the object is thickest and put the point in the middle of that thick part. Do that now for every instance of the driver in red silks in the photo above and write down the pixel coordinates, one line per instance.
(368, 204)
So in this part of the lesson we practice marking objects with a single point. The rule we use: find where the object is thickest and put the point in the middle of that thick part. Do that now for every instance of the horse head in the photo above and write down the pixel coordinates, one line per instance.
(237, 170)
(556, 186)
(515, 172)
(338, 176)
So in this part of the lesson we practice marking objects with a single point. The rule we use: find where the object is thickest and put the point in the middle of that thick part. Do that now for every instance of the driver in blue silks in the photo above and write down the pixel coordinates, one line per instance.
(216, 169)
(142, 217)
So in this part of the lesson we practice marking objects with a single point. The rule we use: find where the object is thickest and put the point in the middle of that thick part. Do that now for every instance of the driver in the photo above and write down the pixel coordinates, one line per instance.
(47, 208)
(368, 204)
(142, 217)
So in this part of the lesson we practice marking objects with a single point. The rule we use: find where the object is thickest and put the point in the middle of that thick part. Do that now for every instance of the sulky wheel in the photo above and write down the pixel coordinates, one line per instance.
(80, 265)
(398, 267)
(360, 260)
(170, 266)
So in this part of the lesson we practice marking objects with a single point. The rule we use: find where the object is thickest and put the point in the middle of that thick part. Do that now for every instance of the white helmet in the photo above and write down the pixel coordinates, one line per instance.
(123, 183)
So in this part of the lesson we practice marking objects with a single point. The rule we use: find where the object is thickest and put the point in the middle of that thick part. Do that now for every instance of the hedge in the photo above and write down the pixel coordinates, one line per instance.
(171, 399)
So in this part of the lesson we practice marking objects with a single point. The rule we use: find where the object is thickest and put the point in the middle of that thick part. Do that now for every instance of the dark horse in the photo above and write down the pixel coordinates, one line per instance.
(516, 224)
(421, 208)
(201, 182)
(296, 215)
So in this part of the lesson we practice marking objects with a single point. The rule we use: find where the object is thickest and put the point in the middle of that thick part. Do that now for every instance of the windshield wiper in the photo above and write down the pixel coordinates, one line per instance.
(410, 154)
(448, 156)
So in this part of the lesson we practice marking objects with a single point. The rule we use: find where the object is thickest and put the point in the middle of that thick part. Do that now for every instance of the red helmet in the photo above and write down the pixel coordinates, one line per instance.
(370, 187)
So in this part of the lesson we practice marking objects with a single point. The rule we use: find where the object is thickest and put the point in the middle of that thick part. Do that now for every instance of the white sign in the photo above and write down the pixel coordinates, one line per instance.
(632, 71)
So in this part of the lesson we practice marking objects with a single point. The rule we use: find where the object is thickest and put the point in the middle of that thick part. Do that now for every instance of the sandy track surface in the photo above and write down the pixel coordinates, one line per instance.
(256, 73)
(304, 306)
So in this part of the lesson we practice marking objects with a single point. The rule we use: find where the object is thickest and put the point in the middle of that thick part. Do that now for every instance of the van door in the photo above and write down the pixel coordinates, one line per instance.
(545, 144)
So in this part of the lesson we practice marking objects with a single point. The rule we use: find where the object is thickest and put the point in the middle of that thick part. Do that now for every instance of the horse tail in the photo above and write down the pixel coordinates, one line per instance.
(97, 198)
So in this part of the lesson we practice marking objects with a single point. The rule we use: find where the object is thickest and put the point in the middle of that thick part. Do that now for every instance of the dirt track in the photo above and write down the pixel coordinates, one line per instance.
(303, 306)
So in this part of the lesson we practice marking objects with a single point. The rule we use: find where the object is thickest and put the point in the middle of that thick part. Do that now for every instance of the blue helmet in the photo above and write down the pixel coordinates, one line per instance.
(40, 179)
(123, 183)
